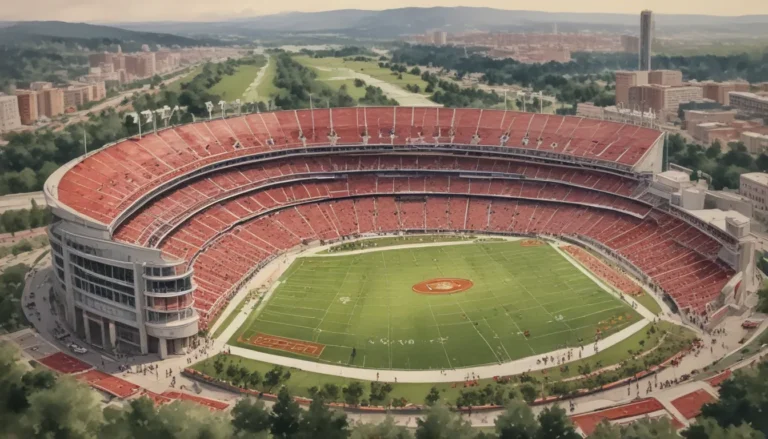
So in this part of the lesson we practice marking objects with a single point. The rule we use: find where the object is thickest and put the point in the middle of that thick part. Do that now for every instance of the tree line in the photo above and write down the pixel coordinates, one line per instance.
(297, 82)
(723, 164)
(12, 221)
(37, 404)
(32, 156)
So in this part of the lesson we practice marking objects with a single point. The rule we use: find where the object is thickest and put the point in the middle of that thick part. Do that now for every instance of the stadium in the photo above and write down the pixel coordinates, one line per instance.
(155, 234)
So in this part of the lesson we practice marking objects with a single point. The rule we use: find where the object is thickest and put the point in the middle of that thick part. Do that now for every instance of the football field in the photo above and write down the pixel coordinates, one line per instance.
(435, 307)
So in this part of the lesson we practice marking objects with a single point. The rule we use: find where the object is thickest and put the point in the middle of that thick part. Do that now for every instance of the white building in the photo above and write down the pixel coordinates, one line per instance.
(9, 113)
(754, 185)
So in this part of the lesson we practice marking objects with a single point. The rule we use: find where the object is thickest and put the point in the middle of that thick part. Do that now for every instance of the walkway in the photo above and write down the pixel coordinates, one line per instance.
(402, 96)
(251, 94)
(39, 282)
(21, 201)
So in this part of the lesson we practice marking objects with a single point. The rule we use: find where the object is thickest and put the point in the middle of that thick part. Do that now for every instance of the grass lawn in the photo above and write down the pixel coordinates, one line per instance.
(365, 302)
(301, 381)
(266, 88)
(649, 303)
(370, 68)
(390, 241)
(234, 86)
(175, 86)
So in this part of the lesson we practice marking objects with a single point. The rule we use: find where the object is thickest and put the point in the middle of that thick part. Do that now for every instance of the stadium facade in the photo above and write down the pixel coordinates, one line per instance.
(153, 235)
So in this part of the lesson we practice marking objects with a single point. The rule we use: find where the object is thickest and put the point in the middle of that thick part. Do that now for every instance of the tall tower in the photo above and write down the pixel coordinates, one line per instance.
(646, 37)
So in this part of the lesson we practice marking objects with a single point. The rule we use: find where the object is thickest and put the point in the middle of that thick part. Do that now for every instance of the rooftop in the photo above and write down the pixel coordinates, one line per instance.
(757, 177)
(717, 217)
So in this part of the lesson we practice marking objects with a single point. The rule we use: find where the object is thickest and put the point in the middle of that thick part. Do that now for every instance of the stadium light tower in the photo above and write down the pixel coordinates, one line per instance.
(223, 106)
(313, 115)
(209, 107)
(136, 120)
(148, 115)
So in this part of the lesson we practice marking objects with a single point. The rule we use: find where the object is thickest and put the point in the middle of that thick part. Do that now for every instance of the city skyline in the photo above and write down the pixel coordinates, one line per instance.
(182, 10)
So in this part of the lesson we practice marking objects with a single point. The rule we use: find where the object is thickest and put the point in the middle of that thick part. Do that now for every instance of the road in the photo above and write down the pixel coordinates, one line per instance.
(21, 201)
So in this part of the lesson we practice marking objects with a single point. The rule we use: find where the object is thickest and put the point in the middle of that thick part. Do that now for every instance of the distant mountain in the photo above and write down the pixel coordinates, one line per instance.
(31, 31)
(395, 22)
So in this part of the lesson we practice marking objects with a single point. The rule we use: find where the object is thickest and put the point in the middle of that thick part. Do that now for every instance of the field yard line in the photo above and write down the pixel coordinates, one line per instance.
(643, 311)
(515, 367)
(332, 302)
(389, 315)
(478, 332)
(458, 302)
(439, 334)
(509, 357)
(507, 312)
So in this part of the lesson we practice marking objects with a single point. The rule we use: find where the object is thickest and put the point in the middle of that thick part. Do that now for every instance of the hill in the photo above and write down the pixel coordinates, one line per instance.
(395, 22)
(32, 31)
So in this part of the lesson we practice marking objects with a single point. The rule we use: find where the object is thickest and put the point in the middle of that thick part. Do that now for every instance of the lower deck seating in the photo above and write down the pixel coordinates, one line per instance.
(229, 250)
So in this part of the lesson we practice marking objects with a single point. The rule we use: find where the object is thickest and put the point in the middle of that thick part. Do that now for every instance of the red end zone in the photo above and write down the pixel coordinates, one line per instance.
(300, 347)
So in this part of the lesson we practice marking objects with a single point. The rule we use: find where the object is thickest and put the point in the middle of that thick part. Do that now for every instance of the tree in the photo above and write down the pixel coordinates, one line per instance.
(250, 416)
(714, 150)
(386, 429)
(743, 400)
(642, 429)
(320, 422)
(285, 416)
(69, 410)
(554, 424)
(432, 397)
(359, 83)
(352, 393)
(440, 423)
(529, 393)
(275, 376)
(707, 428)
(331, 391)
(254, 379)
(416, 71)
(517, 422)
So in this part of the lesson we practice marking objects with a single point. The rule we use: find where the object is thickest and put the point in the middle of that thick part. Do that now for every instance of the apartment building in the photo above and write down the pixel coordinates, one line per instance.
(624, 81)
(27, 100)
(720, 91)
(9, 113)
(749, 103)
(666, 77)
(662, 98)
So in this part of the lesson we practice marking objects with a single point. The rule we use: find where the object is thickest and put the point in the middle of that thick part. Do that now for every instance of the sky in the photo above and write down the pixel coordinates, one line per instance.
(207, 10)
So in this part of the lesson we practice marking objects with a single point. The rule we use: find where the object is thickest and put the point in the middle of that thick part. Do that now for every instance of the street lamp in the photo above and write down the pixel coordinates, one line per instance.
(209, 107)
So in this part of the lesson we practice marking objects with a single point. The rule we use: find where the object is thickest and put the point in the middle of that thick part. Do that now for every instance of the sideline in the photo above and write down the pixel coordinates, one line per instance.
(514, 367)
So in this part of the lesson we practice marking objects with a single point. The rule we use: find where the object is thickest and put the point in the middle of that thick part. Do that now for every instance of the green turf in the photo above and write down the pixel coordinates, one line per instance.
(390, 241)
(365, 301)
(175, 86)
(267, 89)
(649, 303)
(370, 68)
(641, 341)
(234, 86)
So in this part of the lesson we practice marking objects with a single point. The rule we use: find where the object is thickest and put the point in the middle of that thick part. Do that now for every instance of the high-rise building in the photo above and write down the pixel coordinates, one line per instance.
(624, 81)
(662, 98)
(9, 113)
(630, 43)
(27, 106)
(50, 102)
(646, 38)
(96, 59)
(440, 37)
(666, 77)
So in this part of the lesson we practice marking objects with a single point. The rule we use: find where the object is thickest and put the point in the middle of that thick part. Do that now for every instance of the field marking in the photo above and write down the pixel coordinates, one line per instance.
(470, 321)
(498, 258)
(317, 333)
(389, 311)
